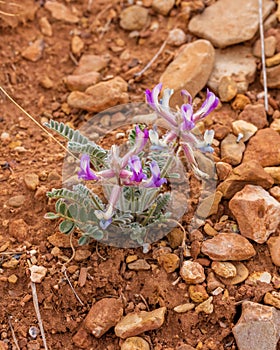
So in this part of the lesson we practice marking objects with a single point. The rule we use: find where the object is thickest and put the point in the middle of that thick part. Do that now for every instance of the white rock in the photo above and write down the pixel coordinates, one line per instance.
(244, 128)
(38, 273)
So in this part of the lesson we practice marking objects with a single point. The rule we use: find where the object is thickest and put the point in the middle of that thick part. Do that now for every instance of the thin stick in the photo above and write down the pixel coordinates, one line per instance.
(136, 75)
(263, 56)
(37, 310)
(70, 284)
(35, 121)
(13, 333)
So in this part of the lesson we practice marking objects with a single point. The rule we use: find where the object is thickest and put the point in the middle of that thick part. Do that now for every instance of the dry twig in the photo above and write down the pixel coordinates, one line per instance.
(263, 56)
(13, 333)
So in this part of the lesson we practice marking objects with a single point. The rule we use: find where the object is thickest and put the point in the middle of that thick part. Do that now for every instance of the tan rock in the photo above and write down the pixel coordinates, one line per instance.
(254, 114)
(82, 254)
(207, 306)
(182, 308)
(175, 237)
(198, 293)
(135, 343)
(31, 181)
(34, 51)
(45, 26)
(38, 273)
(224, 269)
(60, 240)
(274, 172)
(134, 18)
(13, 279)
(260, 276)
(170, 262)
(269, 47)
(273, 61)
(77, 45)
(192, 272)
(274, 249)
(223, 170)
(18, 229)
(260, 321)
(249, 172)
(176, 37)
(101, 96)
(273, 77)
(163, 6)
(103, 315)
(190, 70)
(241, 274)
(275, 192)
(256, 211)
(272, 299)
(138, 265)
(209, 205)
(91, 63)
(228, 246)
(83, 81)
(61, 12)
(209, 230)
(227, 89)
(231, 150)
(244, 128)
(10, 264)
(82, 339)
(240, 102)
(275, 125)
(140, 322)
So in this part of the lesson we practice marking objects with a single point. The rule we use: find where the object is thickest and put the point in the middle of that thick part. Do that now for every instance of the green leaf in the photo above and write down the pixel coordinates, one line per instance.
(73, 210)
(66, 226)
(83, 215)
(51, 216)
(83, 240)
(98, 235)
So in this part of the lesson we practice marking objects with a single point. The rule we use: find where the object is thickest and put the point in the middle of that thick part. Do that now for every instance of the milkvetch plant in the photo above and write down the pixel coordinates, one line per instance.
(136, 183)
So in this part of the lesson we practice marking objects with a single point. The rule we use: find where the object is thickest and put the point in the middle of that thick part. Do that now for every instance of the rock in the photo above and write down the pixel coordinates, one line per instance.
(82, 81)
(223, 170)
(170, 262)
(254, 114)
(46, 82)
(60, 240)
(269, 47)
(240, 102)
(227, 89)
(31, 181)
(272, 299)
(256, 211)
(241, 274)
(209, 205)
(163, 6)
(82, 254)
(274, 172)
(273, 61)
(228, 246)
(275, 125)
(34, 51)
(103, 315)
(236, 63)
(224, 269)
(82, 339)
(192, 272)
(264, 147)
(138, 265)
(3, 345)
(175, 237)
(16, 201)
(18, 229)
(185, 347)
(212, 282)
(180, 309)
(38, 273)
(274, 249)
(91, 63)
(176, 37)
(206, 307)
(249, 172)
(61, 12)
(260, 276)
(244, 128)
(198, 293)
(231, 150)
(190, 70)
(10, 264)
(13, 279)
(101, 96)
(45, 26)
(77, 45)
(273, 77)
(209, 230)
(54, 176)
(140, 322)
(134, 18)
(275, 192)
(258, 327)
(239, 23)
(135, 343)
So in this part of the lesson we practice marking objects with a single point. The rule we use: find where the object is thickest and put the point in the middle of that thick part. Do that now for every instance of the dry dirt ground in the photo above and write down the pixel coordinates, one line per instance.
(29, 150)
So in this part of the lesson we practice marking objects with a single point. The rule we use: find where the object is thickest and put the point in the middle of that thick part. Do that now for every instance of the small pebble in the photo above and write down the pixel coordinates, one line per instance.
(184, 307)
(206, 307)
(38, 273)
(12, 279)
(139, 265)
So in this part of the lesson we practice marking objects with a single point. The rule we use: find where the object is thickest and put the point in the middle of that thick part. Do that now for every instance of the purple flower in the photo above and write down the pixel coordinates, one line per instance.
(136, 168)
(207, 107)
(187, 115)
(86, 173)
(155, 180)
(141, 139)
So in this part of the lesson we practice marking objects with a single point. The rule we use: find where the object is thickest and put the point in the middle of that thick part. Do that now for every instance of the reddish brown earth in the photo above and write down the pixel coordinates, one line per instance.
(107, 273)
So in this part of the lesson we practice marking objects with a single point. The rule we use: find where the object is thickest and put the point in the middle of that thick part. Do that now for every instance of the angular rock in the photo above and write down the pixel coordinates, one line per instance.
(198, 293)
(138, 265)
(206, 307)
(61, 12)
(18, 229)
(103, 315)
(135, 343)
(228, 246)
(250, 172)
(235, 62)
(273, 77)
(273, 61)
(82, 339)
(254, 114)
(275, 125)
(239, 21)
(82, 254)
(275, 192)
(60, 240)
(272, 299)
(140, 322)
(82, 81)
(227, 89)
(224, 269)
(269, 47)
(101, 96)
(241, 274)
(264, 147)
(256, 211)
(34, 51)
(31, 181)
(223, 170)
(209, 205)
(240, 102)
(45, 26)
(77, 45)
(184, 307)
(192, 272)
(258, 327)
(190, 70)
(170, 262)
(231, 150)
(163, 6)
(91, 63)
(134, 18)
(274, 249)
(244, 128)
(38, 273)
(274, 172)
